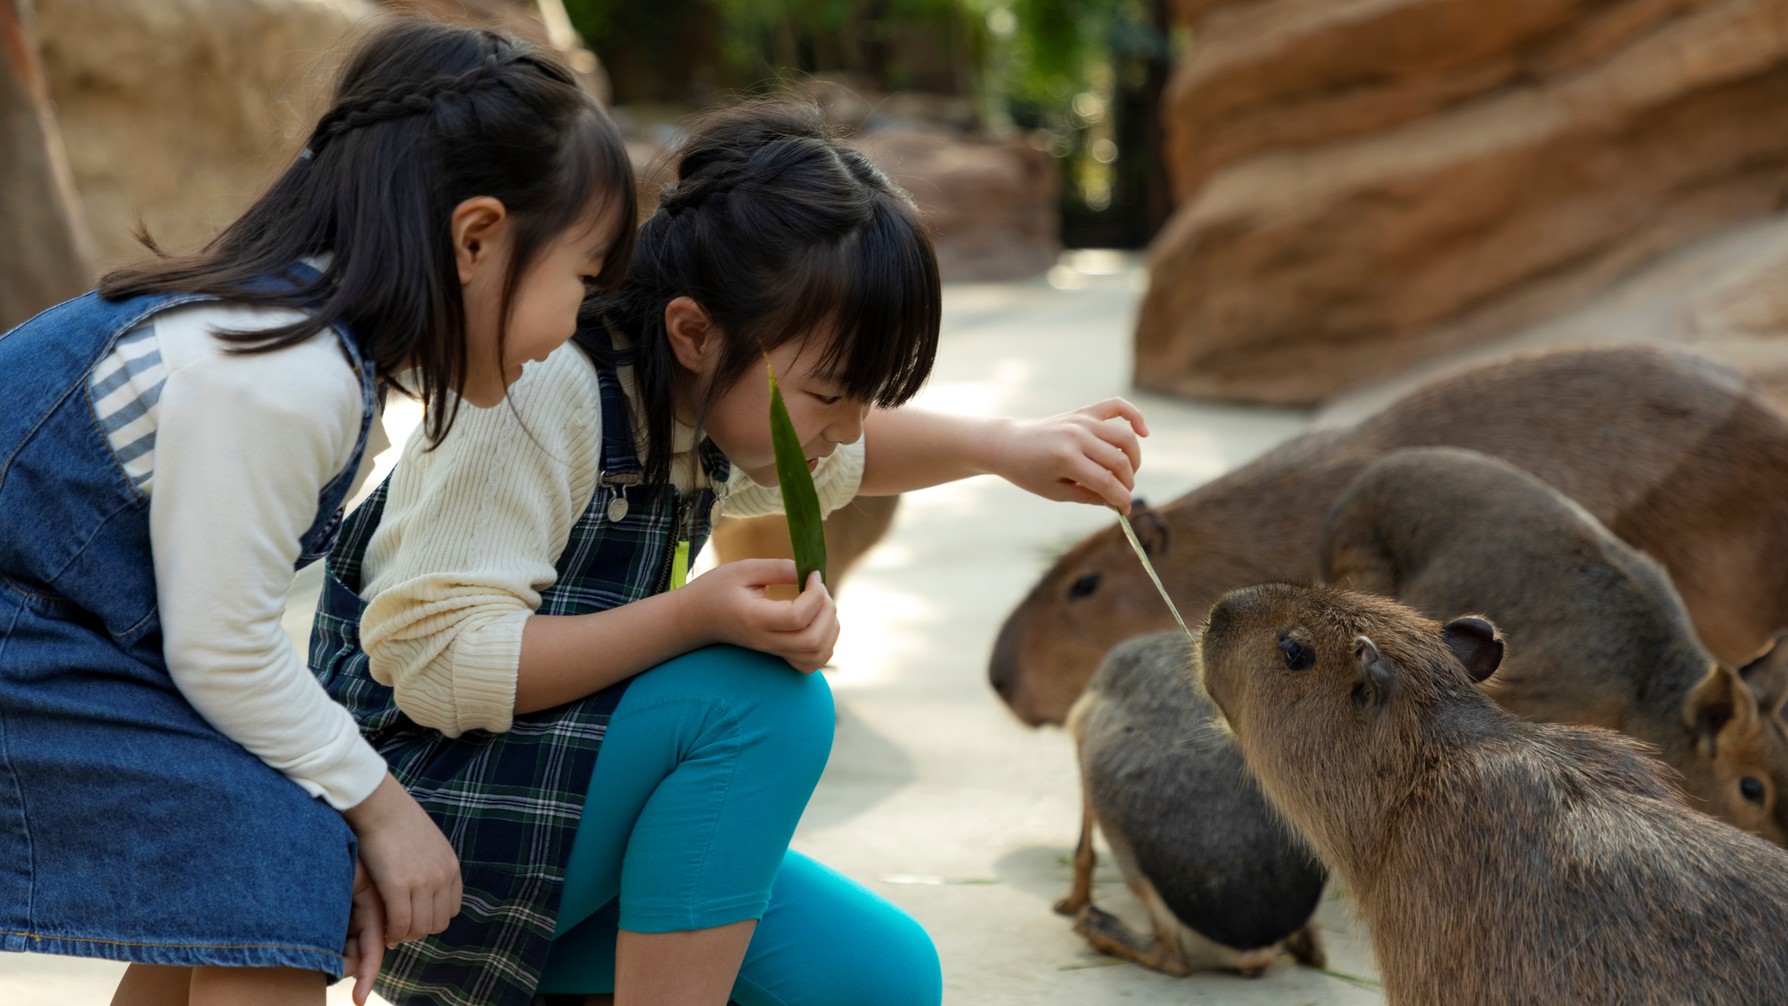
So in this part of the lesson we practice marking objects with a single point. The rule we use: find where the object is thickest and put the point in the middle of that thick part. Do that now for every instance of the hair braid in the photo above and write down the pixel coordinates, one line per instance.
(690, 193)
(421, 98)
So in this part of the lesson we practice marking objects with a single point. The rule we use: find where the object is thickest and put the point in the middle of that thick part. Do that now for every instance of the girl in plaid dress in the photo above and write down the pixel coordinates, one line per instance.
(176, 791)
(511, 601)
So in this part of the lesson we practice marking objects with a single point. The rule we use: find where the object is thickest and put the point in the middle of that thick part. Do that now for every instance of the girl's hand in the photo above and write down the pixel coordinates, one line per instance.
(413, 868)
(730, 603)
(1076, 457)
(366, 934)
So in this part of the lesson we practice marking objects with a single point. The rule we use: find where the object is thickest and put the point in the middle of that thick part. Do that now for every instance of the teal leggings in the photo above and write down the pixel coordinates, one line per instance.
(707, 765)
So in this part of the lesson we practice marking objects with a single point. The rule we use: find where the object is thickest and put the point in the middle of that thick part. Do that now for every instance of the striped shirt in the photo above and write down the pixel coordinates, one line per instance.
(126, 387)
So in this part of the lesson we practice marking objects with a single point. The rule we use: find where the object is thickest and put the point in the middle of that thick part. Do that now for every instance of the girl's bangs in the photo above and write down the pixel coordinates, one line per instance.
(884, 279)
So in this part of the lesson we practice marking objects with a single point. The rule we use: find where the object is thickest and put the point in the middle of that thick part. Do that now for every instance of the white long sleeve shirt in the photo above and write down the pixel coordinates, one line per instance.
(232, 451)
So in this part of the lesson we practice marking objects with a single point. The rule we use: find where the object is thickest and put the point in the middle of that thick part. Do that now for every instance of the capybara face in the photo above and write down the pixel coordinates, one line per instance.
(1089, 603)
(1734, 719)
(1328, 685)
(1093, 599)
(1097, 596)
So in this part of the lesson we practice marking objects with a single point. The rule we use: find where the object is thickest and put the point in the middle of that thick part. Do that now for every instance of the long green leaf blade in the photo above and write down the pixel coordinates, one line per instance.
(806, 530)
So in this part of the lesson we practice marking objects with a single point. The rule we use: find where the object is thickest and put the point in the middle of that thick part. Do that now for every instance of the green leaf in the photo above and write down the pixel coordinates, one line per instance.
(806, 530)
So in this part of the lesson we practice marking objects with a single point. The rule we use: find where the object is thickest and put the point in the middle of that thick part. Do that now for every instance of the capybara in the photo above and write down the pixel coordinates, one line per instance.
(1672, 452)
(1494, 860)
(1224, 881)
(1597, 636)
(851, 530)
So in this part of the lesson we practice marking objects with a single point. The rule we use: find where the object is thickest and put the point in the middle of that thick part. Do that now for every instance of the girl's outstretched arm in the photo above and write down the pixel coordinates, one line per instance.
(1079, 456)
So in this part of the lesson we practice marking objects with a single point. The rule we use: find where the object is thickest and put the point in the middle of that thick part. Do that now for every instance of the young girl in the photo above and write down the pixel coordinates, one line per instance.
(175, 788)
(499, 609)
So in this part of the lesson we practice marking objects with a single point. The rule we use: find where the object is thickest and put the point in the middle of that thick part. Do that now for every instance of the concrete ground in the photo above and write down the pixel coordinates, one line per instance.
(935, 796)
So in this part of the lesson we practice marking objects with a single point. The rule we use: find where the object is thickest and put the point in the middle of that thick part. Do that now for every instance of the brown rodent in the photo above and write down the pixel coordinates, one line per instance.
(1670, 451)
(1597, 635)
(851, 530)
(1224, 881)
(1494, 860)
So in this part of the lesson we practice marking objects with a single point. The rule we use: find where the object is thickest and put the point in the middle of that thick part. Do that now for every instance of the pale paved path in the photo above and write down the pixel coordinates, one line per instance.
(935, 796)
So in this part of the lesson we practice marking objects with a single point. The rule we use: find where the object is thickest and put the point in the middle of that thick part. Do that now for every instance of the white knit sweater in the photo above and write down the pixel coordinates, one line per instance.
(472, 531)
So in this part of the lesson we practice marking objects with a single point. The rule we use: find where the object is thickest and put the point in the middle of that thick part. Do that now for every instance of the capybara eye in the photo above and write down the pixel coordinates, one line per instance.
(1084, 586)
(1751, 788)
(1297, 655)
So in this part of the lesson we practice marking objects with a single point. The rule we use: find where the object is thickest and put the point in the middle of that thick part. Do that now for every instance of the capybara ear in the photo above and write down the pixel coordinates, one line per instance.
(1377, 675)
(1475, 642)
(1767, 675)
(1150, 529)
(1720, 708)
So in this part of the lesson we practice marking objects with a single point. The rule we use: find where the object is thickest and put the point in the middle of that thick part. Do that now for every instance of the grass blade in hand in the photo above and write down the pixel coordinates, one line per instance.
(800, 502)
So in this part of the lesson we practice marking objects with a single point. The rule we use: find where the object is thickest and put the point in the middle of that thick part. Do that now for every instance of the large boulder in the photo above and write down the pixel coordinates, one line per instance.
(177, 113)
(1370, 183)
(991, 201)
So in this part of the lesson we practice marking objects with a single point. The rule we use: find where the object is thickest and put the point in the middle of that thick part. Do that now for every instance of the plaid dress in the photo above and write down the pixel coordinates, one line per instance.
(510, 802)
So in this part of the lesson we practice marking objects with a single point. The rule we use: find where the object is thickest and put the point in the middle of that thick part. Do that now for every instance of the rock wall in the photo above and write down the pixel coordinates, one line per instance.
(1368, 183)
(991, 202)
(177, 113)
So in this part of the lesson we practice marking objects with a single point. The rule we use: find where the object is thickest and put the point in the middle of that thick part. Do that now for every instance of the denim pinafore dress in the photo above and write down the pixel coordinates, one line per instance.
(130, 829)
(510, 802)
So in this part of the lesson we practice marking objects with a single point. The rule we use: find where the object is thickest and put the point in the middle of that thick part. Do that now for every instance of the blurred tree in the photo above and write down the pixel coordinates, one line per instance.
(1089, 73)
(47, 256)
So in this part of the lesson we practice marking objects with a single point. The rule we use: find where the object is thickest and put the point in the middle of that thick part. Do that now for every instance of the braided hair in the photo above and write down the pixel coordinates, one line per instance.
(425, 116)
(780, 231)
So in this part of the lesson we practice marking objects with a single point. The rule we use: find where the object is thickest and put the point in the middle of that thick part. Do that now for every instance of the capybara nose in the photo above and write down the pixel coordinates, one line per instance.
(1002, 669)
(1000, 675)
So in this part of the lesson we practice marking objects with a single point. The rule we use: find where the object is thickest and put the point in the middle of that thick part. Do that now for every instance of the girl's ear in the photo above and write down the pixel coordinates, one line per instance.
(478, 224)
(691, 332)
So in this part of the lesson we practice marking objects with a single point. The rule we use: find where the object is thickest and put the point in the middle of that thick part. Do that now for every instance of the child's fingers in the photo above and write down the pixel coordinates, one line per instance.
(806, 607)
(368, 955)
(1114, 459)
(446, 906)
(1122, 438)
(1101, 486)
(365, 951)
(398, 914)
(1119, 408)
(765, 572)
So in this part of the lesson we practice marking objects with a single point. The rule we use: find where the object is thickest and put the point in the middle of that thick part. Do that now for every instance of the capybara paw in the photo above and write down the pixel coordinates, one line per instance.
(1071, 905)
(1305, 946)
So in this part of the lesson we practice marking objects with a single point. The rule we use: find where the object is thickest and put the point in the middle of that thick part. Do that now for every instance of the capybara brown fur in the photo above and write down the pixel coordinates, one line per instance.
(851, 531)
(1672, 452)
(1494, 860)
(1226, 884)
(1597, 635)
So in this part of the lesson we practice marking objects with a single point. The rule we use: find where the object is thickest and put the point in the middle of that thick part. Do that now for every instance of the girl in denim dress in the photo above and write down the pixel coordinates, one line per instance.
(176, 790)
(508, 604)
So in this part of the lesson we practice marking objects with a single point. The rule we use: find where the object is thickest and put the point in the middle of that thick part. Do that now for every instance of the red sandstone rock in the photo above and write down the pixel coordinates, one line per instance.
(1368, 183)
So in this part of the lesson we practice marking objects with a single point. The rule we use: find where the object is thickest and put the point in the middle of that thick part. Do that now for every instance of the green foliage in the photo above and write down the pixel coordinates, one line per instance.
(800, 501)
